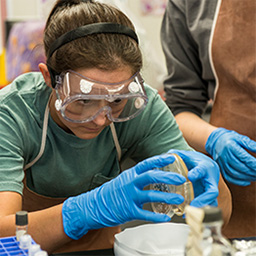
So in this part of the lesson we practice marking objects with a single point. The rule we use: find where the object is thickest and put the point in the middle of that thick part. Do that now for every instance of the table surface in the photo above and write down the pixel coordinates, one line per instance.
(107, 252)
(110, 252)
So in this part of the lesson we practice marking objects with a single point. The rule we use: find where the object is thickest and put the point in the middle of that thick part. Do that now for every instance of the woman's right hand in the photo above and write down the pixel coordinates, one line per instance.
(121, 199)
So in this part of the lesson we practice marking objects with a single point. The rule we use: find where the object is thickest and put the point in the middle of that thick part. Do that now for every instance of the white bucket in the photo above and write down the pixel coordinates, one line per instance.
(164, 239)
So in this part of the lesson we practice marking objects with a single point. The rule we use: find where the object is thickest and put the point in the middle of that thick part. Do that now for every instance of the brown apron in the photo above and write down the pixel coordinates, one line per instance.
(95, 239)
(234, 60)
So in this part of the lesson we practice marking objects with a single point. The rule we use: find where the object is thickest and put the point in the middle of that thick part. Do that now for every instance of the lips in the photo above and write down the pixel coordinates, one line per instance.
(93, 129)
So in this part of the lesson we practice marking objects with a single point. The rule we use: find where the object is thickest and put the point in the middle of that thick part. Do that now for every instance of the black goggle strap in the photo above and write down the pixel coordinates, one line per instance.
(53, 75)
(90, 29)
(95, 28)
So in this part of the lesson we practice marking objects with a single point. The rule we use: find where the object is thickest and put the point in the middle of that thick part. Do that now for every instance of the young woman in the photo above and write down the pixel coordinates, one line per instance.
(64, 132)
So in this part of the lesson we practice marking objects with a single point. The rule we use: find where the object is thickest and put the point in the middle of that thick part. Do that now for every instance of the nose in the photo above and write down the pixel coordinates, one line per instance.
(100, 119)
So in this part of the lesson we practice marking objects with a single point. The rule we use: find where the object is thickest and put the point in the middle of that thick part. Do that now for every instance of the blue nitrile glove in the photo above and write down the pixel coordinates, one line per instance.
(121, 199)
(204, 174)
(228, 149)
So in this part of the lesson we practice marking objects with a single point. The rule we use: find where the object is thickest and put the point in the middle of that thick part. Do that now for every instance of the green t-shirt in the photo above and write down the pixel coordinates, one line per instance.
(70, 165)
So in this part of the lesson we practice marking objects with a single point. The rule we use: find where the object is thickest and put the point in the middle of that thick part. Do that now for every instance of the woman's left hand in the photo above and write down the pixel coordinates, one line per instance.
(204, 174)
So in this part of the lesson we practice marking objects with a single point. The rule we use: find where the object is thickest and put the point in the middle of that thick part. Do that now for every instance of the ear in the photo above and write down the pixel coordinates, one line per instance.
(44, 70)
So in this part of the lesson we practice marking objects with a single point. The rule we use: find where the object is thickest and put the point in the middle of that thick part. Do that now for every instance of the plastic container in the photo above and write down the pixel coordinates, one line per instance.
(213, 242)
(25, 241)
(41, 253)
(186, 189)
(33, 249)
(9, 246)
(21, 221)
(163, 239)
(205, 238)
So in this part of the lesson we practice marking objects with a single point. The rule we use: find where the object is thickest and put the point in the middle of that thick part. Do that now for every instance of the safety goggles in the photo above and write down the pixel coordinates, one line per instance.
(81, 99)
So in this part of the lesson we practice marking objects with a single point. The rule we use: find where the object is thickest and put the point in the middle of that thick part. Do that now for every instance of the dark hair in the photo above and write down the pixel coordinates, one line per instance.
(103, 51)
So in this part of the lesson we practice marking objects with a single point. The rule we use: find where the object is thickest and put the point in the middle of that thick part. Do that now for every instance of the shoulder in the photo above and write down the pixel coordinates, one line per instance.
(150, 91)
(155, 101)
(156, 108)
(22, 106)
(25, 98)
(24, 84)
(192, 4)
(193, 9)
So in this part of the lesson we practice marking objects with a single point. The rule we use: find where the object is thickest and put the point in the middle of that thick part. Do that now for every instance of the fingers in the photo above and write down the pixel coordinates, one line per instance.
(154, 162)
(244, 161)
(157, 176)
(196, 174)
(192, 158)
(161, 197)
(237, 170)
(237, 165)
(187, 156)
(247, 143)
(242, 183)
(198, 202)
(209, 197)
(204, 173)
(231, 179)
(209, 183)
(152, 216)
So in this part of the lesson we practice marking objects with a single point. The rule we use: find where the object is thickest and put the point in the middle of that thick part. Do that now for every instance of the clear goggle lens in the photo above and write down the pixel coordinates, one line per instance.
(81, 99)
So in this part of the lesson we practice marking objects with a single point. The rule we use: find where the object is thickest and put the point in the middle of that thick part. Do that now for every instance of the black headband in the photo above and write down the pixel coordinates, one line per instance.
(95, 28)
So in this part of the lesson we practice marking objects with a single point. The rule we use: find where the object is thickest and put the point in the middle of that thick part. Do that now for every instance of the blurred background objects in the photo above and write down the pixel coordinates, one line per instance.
(22, 24)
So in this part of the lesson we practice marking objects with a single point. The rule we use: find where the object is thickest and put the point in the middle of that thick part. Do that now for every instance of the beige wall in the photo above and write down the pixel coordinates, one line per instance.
(147, 26)
(23, 9)
(151, 22)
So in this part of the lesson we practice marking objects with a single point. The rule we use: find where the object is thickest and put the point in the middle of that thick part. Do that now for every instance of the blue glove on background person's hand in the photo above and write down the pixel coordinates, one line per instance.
(121, 199)
(204, 174)
(228, 149)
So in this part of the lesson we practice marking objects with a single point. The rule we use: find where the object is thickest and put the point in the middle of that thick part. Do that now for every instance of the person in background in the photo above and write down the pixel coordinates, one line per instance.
(65, 131)
(209, 46)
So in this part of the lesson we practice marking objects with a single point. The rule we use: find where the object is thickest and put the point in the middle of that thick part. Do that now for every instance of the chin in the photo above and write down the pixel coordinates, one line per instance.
(84, 133)
(87, 136)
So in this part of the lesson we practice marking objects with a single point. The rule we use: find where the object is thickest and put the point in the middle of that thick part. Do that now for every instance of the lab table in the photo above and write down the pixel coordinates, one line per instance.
(106, 252)
(110, 252)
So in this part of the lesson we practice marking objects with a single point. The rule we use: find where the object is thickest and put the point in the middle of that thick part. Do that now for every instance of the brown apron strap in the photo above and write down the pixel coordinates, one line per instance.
(43, 140)
(115, 138)
(234, 60)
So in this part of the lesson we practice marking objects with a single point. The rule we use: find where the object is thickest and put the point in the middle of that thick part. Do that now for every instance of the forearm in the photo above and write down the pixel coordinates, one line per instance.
(45, 227)
(195, 130)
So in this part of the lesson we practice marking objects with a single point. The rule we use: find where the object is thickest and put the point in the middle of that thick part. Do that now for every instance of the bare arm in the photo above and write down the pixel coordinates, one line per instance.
(195, 130)
(45, 226)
